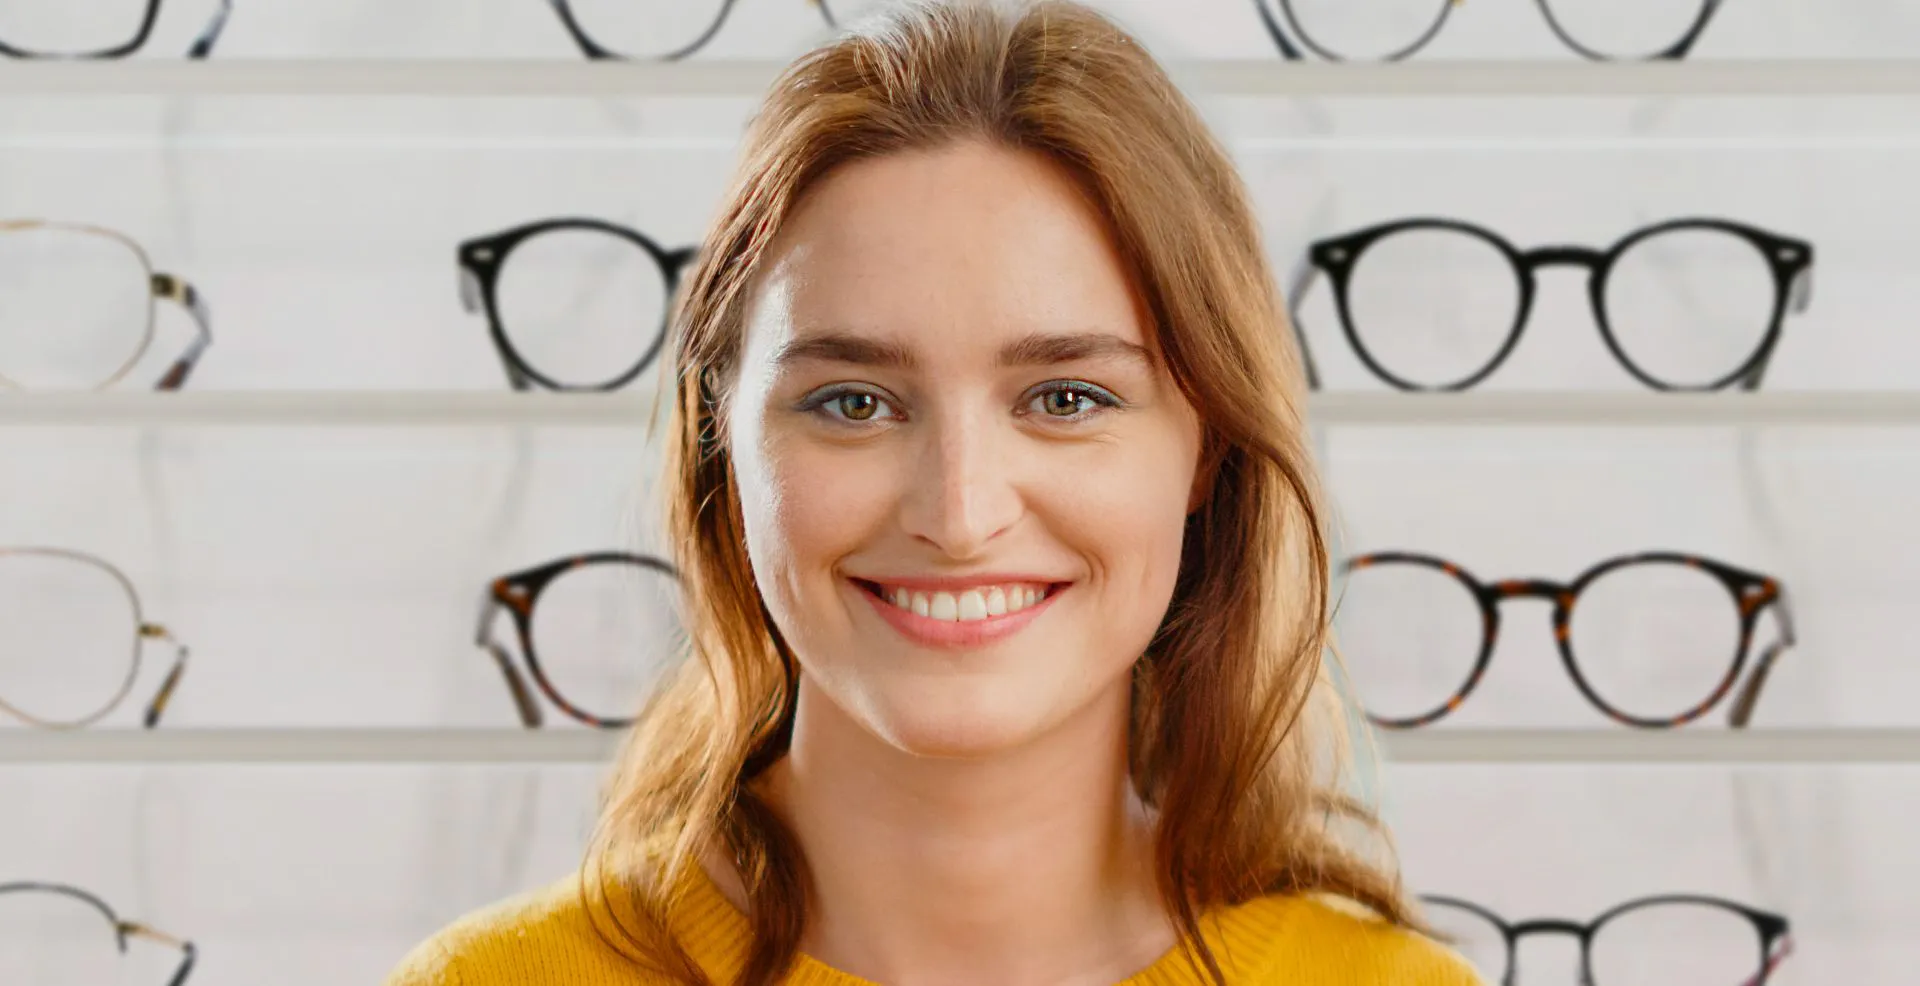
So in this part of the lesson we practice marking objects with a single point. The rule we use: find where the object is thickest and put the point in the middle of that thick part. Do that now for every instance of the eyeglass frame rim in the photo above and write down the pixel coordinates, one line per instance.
(160, 284)
(518, 593)
(1771, 929)
(1752, 594)
(481, 260)
(1336, 258)
(593, 49)
(122, 929)
(201, 47)
(1290, 51)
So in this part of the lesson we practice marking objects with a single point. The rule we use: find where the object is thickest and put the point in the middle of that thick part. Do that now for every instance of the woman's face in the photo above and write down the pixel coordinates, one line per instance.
(963, 468)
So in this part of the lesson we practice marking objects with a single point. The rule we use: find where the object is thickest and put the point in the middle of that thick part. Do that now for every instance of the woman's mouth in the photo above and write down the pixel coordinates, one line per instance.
(966, 617)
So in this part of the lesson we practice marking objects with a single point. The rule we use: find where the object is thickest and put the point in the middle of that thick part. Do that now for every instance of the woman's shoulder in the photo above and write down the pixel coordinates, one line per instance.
(1325, 940)
(543, 938)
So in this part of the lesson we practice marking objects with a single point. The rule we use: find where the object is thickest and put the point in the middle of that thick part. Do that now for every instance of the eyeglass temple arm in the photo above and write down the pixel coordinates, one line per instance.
(1773, 962)
(158, 707)
(483, 637)
(1750, 693)
(473, 299)
(1304, 271)
(1288, 49)
(180, 292)
(1799, 297)
(203, 45)
(187, 952)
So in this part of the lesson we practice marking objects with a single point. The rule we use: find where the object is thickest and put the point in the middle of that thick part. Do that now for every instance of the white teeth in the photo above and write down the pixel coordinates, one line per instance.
(962, 607)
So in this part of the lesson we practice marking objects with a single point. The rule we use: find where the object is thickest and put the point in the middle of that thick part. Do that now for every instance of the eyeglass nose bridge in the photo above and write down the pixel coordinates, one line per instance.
(1563, 256)
(1533, 589)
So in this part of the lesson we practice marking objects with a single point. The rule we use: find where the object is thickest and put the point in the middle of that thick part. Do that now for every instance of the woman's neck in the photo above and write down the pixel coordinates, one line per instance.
(1032, 867)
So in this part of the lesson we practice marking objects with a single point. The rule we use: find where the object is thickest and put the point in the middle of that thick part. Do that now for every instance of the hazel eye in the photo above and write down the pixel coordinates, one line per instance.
(1065, 402)
(1069, 401)
(857, 407)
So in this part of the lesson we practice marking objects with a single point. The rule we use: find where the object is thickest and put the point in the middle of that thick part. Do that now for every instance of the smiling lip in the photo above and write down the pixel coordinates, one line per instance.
(955, 634)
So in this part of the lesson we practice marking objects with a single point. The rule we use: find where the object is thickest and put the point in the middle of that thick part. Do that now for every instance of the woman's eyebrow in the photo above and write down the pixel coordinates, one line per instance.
(1040, 349)
(840, 347)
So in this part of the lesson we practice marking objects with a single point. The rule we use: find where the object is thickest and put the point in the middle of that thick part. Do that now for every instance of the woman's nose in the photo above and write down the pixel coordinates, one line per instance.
(961, 491)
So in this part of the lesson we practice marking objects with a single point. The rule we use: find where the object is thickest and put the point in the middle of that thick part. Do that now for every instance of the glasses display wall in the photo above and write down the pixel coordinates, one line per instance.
(317, 512)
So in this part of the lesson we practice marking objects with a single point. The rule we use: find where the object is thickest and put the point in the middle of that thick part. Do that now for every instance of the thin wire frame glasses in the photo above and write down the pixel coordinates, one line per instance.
(59, 910)
(664, 30)
(1652, 640)
(1426, 304)
(71, 638)
(66, 29)
(1668, 940)
(572, 304)
(594, 631)
(78, 306)
(1393, 30)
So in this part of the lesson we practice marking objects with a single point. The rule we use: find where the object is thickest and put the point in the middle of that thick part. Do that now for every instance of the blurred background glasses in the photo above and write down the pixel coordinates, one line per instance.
(1439, 304)
(573, 304)
(51, 934)
(91, 28)
(667, 30)
(595, 632)
(1390, 30)
(1678, 940)
(71, 636)
(77, 307)
(1652, 640)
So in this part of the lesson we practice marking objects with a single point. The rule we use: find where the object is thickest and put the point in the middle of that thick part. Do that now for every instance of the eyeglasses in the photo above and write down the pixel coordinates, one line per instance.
(71, 632)
(1652, 640)
(70, 29)
(1676, 940)
(77, 307)
(34, 916)
(1438, 304)
(582, 306)
(594, 629)
(665, 30)
(1390, 30)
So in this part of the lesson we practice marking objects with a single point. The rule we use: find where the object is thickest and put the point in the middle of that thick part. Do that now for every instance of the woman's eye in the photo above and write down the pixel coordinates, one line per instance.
(858, 406)
(1071, 400)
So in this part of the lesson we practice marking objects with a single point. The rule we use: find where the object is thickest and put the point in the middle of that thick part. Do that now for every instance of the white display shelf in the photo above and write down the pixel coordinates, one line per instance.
(743, 78)
(633, 409)
(573, 746)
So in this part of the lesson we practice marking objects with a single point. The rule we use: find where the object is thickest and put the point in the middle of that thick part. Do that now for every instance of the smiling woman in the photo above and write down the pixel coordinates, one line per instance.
(1004, 581)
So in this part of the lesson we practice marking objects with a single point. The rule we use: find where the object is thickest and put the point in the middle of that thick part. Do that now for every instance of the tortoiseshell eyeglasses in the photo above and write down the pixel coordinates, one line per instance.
(77, 308)
(573, 304)
(1669, 940)
(71, 635)
(666, 30)
(1653, 640)
(51, 932)
(595, 631)
(66, 29)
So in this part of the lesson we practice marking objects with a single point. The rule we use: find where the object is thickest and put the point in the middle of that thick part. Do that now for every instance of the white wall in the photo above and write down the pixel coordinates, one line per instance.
(328, 577)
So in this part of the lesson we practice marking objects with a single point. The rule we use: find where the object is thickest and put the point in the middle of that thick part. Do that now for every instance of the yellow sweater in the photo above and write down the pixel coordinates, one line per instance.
(548, 939)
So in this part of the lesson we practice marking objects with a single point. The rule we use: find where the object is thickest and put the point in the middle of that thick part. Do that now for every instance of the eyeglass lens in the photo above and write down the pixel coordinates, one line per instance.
(1675, 944)
(1690, 305)
(69, 638)
(76, 306)
(1473, 935)
(603, 633)
(645, 28)
(1650, 639)
(1433, 305)
(52, 939)
(580, 306)
(70, 27)
(1624, 30)
(1374, 30)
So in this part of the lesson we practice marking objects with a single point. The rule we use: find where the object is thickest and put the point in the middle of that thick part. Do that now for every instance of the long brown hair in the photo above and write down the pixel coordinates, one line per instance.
(1237, 744)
